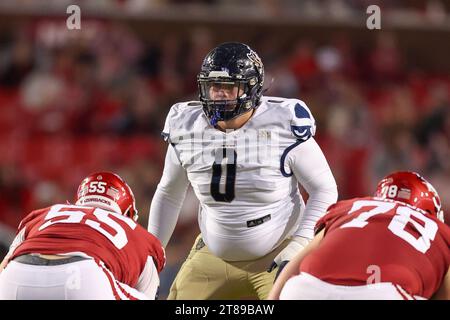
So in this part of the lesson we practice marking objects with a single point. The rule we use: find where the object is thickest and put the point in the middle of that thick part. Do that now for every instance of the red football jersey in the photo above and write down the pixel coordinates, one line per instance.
(119, 242)
(370, 240)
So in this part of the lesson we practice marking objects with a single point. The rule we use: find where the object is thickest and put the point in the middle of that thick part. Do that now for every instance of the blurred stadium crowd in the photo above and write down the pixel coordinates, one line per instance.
(96, 99)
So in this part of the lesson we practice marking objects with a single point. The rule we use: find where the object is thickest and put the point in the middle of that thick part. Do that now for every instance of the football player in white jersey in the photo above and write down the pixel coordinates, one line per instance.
(244, 156)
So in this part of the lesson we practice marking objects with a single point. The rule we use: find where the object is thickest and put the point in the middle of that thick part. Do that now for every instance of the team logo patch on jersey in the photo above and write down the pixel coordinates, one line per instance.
(264, 134)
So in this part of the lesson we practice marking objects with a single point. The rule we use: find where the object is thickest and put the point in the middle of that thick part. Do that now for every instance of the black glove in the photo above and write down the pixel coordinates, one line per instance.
(280, 268)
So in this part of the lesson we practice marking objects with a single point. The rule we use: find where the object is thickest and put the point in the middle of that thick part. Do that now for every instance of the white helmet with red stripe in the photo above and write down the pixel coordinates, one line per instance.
(108, 191)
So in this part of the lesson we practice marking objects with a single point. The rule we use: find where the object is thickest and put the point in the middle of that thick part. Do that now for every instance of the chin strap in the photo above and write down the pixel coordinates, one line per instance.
(214, 119)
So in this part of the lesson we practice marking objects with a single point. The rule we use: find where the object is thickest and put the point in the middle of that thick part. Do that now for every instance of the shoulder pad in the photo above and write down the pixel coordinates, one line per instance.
(303, 124)
(180, 114)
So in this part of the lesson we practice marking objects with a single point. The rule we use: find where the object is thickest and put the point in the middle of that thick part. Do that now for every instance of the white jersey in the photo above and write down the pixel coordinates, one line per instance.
(249, 198)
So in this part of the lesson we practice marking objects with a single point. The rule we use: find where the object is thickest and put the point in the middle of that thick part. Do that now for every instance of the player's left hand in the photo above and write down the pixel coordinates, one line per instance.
(296, 244)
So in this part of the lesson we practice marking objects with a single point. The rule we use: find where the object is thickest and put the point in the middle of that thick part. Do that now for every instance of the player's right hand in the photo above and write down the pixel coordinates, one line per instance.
(296, 244)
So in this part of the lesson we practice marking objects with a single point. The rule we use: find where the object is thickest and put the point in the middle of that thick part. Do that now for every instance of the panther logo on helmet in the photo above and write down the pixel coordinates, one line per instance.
(255, 58)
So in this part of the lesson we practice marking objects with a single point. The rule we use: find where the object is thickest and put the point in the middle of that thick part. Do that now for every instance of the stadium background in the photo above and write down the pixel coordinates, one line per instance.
(76, 101)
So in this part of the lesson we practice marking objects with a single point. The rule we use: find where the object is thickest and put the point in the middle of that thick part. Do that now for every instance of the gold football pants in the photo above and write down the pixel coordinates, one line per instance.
(204, 276)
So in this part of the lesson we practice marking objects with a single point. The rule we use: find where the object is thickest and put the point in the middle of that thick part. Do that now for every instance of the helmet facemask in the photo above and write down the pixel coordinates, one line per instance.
(132, 213)
(218, 109)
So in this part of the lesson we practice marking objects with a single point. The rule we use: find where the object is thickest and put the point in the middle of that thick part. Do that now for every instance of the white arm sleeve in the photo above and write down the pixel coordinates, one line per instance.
(168, 199)
(311, 169)
(148, 282)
